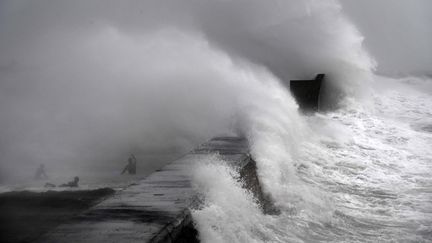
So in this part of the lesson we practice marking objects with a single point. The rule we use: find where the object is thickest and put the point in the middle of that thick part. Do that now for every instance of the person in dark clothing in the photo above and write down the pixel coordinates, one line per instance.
(40, 173)
(131, 166)
(73, 183)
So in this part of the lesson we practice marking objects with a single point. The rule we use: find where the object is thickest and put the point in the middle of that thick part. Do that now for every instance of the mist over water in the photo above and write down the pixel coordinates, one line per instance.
(90, 83)
(83, 85)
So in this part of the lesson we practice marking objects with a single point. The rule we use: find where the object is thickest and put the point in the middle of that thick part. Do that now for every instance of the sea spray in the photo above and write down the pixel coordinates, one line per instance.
(362, 175)
(85, 83)
(107, 79)
(268, 117)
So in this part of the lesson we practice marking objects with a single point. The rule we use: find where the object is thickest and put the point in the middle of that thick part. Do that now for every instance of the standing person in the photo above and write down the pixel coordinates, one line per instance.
(40, 172)
(131, 166)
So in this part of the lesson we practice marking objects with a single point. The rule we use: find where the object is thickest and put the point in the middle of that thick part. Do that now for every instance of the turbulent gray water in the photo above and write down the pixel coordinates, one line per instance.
(379, 177)
(364, 174)
(83, 84)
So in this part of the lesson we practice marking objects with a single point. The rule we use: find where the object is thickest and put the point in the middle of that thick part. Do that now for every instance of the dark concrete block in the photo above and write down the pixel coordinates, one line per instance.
(307, 92)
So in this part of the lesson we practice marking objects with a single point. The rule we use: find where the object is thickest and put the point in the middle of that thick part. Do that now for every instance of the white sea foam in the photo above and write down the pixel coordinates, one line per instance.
(362, 175)
(175, 73)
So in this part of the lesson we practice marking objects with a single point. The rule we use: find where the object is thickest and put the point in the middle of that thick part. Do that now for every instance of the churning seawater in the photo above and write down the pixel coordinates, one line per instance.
(171, 73)
(362, 173)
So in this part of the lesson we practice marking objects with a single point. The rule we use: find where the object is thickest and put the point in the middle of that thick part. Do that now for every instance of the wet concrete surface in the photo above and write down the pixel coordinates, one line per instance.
(156, 209)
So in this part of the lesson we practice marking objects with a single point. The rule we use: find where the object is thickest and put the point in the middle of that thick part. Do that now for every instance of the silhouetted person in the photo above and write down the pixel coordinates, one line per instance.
(73, 183)
(40, 173)
(131, 166)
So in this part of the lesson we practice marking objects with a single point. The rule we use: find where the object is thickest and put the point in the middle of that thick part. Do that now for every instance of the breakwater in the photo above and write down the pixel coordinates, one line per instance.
(157, 209)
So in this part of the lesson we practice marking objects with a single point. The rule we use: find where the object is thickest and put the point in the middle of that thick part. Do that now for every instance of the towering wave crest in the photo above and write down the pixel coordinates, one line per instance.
(311, 37)
(120, 81)
(294, 39)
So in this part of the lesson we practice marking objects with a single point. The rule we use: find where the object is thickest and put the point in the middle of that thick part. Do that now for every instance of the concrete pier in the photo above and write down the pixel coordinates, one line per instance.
(156, 209)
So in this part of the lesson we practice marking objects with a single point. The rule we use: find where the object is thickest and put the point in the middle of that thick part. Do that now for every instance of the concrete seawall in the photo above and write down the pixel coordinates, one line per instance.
(156, 209)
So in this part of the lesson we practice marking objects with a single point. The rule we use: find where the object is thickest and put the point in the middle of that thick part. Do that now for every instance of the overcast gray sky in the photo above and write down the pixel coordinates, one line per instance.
(398, 33)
